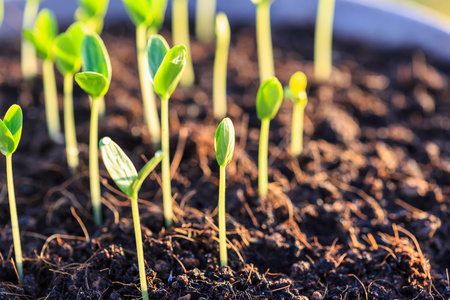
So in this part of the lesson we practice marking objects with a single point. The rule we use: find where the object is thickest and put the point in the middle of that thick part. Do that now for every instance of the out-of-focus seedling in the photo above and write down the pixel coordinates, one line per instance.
(220, 66)
(297, 93)
(92, 13)
(43, 36)
(204, 20)
(29, 63)
(10, 133)
(224, 140)
(323, 40)
(67, 51)
(268, 101)
(1, 12)
(148, 17)
(165, 69)
(264, 39)
(94, 80)
(180, 35)
(125, 176)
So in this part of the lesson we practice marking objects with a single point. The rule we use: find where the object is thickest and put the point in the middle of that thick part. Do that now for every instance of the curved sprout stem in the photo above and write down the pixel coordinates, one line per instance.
(323, 40)
(205, 10)
(165, 164)
(28, 52)
(297, 129)
(51, 100)
(69, 125)
(264, 41)
(94, 177)
(222, 219)
(262, 157)
(220, 72)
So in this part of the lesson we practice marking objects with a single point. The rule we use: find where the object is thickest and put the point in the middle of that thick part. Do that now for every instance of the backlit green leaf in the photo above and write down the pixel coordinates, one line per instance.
(159, 11)
(13, 121)
(170, 71)
(94, 56)
(298, 83)
(269, 98)
(224, 140)
(92, 8)
(6, 140)
(156, 49)
(139, 11)
(43, 33)
(94, 84)
(67, 49)
(119, 166)
(145, 171)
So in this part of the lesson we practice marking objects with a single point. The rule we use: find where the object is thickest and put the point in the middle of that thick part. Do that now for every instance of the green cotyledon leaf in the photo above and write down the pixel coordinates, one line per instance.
(13, 121)
(94, 84)
(119, 166)
(156, 49)
(297, 83)
(269, 98)
(170, 71)
(67, 49)
(140, 11)
(94, 56)
(43, 33)
(224, 141)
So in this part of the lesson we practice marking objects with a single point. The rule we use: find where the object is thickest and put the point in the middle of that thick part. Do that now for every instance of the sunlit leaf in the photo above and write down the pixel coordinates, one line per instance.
(269, 98)
(94, 84)
(157, 48)
(13, 121)
(170, 71)
(224, 141)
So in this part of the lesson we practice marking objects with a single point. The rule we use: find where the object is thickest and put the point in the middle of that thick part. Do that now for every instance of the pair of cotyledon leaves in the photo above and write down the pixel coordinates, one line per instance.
(122, 170)
(92, 13)
(43, 33)
(11, 130)
(146, 12)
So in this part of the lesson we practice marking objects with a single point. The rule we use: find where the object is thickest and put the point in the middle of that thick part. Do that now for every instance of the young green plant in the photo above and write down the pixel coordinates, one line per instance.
(323, 40)
(268, 101)
(220, 66)
(10, 133)
(43, 36)
(165, 69)
(180, 35)
(224, 140)
(92, 13)
(29, 63)
(67, 51)
(148, 17)
(297, 93)
(94, 80)
(264, 39)
(126, 177)
(205, 10)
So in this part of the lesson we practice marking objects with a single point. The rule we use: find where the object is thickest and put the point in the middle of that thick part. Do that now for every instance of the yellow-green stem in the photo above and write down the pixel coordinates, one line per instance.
(14, 218)
(222, 221)
(139, 247)
(28, 52)
(180, 32)
(101, 107)
(263, 154)
(94, 177)
(165, 164)
(51, 101)
(323, 40)
(297, 129)
(220, 70)
(204, 20)
(264, 41)
(69, 125)
(148, 97)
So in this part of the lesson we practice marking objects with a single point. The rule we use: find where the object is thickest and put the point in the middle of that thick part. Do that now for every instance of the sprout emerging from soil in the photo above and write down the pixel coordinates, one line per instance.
(165, 69)
(67, 51)
(224, 140)
(125, 176)
(94, 80)
(204, 20)
(180, 35)
(10, 133)
(323, 40)
(92, 13)
(268, 101)
(148, 17)
(220, 66)
(264, 39)
(43, 36)
(29, 63)
(297, 93)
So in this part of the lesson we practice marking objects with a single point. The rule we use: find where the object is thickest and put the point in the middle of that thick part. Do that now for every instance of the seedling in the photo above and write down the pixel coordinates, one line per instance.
(264, 39)
(323, 40)
(297, 93)
(224, 146)
(204, 20)
(67, 51)
(92, 13)
(42, 36)
(165, 68)
(220, 66)
(268, 101)
(29, 63)
(94, 80)
(10, 133)
(148, 17)
(125, 176)
(180, 35)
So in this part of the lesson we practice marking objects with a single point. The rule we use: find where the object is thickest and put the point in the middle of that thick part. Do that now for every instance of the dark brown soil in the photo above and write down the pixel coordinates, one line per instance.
(362, 214)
